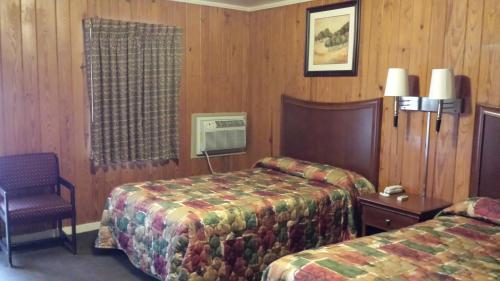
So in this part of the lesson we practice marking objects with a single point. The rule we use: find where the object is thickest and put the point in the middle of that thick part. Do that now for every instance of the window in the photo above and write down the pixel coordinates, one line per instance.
(133, 77)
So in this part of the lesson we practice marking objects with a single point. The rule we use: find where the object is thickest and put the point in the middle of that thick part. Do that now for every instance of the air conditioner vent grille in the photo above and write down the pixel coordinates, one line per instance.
(219, 134)
(229, 123)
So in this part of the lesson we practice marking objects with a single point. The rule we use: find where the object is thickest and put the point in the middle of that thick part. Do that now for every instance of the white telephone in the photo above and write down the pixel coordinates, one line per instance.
(392, 189)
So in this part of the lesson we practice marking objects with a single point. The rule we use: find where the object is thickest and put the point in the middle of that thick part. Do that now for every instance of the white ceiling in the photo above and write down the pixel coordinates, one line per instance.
(247, 3)
(244, 5)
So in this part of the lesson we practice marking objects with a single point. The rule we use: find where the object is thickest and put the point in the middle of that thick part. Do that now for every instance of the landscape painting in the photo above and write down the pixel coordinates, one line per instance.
(332, 40)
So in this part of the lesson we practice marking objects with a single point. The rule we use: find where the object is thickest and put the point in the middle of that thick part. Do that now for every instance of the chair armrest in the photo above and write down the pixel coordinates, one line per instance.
(71, 188)
(67, 184)
(5, 206)
(3, 192)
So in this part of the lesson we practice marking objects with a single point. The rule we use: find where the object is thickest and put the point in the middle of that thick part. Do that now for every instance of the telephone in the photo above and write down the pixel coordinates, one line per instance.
(392, 189)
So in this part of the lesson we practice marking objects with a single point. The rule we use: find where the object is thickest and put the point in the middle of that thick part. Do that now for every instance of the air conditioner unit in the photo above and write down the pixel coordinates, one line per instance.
(218, 133)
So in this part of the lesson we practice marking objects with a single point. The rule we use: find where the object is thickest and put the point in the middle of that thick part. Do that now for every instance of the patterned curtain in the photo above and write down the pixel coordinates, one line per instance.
(133, 76)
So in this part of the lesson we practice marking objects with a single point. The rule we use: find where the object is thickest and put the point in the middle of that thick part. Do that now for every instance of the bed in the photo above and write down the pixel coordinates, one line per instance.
(461, 243)
(231, 226)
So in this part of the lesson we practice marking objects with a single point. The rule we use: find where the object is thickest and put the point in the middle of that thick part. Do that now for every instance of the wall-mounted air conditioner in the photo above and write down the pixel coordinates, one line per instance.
(218, 134)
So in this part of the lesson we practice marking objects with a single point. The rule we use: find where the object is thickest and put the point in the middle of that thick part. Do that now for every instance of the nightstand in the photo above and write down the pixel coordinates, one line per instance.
(381, 213)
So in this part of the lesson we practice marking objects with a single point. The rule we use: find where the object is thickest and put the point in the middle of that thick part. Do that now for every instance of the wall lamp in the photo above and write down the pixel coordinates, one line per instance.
(397, 86)
(441, 99)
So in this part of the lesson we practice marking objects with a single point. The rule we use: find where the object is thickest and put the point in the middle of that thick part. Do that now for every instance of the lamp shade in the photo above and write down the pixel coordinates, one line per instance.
(442, 84)
(397, 83)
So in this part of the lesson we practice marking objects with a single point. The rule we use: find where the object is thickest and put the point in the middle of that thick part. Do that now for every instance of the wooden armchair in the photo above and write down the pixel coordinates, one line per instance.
(30, 191)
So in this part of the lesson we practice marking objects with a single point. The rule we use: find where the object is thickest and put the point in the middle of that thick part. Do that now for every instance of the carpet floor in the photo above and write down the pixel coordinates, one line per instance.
(56, 262)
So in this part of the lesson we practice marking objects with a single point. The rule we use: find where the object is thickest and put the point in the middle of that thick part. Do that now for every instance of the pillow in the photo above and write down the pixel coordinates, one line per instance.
(318, 172)
(483, 208)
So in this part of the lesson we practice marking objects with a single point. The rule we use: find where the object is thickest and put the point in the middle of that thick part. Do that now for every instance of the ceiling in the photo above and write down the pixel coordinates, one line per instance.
(247, 3)
(244, 5)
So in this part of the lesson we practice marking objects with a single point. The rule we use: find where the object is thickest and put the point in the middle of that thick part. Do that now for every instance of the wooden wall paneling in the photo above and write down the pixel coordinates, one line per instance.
(199, 102)
(364, 50)
(236, 76)
(260, 115)
(294, 83)
(217, 71)
(12, 70)
(404, 47)
(99, 178)
(267, 37)
(414, 138)
(65, 103)
(428, 34)
(371, 60)
(88, 203)
(193, 65)
(47, 75)
(388, 46)
(489, 84)
(374, 28)
(244, 73)
(92, 7)
(46, 42)
(237, 61)
(469, 88)
(276, 74)
(28, 131)
(446, 139)
(212, 72)
(435, 60)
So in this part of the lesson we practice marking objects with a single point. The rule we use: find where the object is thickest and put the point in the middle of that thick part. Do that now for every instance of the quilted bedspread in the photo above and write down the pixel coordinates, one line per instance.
(231, 226)
(461, 244)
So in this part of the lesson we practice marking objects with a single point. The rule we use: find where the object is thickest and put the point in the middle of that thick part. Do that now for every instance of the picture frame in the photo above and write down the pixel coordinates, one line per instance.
(332, 39)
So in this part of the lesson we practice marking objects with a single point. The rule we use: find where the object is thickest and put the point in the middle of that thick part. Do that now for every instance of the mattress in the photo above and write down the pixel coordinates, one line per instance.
(231, 226)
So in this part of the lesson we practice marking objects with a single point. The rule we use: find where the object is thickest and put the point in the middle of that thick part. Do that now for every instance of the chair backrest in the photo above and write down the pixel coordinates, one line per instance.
(29, 171)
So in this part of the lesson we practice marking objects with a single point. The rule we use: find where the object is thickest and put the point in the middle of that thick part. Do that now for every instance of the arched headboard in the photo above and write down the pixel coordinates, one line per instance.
(345, 135)
(486, 153)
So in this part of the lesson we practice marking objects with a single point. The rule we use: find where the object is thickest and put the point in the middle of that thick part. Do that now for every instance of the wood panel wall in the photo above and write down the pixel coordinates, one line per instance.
(237, 61)
(415, 34)
(43, 100)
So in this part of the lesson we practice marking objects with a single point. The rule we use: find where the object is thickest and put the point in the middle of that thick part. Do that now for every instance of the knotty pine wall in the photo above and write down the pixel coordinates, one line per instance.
(43, 101)
(415, 34)
(237, 61)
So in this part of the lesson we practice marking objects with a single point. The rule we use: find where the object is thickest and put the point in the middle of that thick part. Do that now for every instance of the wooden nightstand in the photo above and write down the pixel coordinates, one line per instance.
(386, 213)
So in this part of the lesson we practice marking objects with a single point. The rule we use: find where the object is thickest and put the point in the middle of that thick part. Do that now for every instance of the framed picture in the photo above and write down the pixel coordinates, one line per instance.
(332, 35)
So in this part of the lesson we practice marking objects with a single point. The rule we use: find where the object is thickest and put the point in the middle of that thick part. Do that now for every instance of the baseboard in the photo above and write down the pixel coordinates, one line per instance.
(86, 227)
(51, 233)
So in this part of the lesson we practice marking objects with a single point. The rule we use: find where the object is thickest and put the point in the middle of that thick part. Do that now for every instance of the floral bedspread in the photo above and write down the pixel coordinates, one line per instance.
(462, 243)
(231, 226)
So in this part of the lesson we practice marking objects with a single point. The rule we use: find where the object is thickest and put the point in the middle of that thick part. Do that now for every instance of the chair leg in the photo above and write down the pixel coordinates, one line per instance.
(7, 244)
(59, 227)
(73, 234)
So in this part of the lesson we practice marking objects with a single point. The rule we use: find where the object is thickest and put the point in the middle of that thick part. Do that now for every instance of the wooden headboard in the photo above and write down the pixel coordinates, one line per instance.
(345, 135)
(485, 174)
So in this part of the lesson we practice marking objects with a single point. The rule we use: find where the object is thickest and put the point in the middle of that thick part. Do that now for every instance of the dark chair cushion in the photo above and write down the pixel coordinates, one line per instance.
(37, 206)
